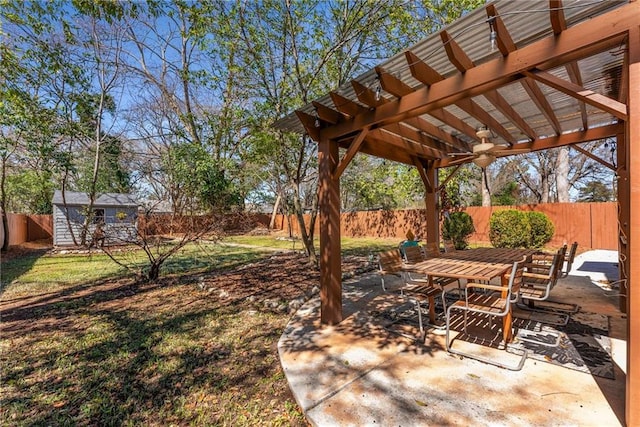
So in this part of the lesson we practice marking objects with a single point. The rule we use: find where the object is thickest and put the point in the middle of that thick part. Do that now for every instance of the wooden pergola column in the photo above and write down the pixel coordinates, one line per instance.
(632, 143)
(429, 175)
(329, 211)
(431, 204)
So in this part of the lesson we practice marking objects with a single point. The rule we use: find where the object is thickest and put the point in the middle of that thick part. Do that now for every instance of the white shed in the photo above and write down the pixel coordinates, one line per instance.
(117, 213)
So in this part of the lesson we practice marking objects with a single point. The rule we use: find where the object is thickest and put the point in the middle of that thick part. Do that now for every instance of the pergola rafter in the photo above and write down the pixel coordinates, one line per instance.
(559, 78)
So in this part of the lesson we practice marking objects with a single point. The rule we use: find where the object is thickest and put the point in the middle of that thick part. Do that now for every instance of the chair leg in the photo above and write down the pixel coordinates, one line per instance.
(563, 317)
(422, 331)
(554, 343)
(516, 367)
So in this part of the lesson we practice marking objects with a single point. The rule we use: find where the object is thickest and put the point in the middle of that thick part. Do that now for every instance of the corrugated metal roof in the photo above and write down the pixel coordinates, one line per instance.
(74, 198)
(527, 22)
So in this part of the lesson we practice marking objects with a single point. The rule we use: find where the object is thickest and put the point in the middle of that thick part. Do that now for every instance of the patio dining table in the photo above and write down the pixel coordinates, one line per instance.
(482, 264)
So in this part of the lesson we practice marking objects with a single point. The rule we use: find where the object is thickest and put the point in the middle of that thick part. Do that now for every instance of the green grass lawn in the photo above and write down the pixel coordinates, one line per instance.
(48, 273)
(81, 343)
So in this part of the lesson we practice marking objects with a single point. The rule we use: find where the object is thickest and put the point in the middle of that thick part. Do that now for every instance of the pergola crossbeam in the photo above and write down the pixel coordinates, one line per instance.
(581, 40)
(392, 84)
(327, 114)
(574, 75)
(503, 38)
(538, 98)
(367, 96)
(593, 134)
(346, 106)
(556, 16)
(590, 97)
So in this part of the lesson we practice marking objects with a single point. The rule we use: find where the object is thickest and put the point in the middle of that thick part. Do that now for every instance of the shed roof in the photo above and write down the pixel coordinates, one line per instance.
(75, 198)
(521, 99)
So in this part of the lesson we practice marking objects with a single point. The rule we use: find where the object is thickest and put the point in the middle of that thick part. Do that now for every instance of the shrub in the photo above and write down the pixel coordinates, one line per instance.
(458, 226)
(542, 229)
(515, 229)
(509, 229)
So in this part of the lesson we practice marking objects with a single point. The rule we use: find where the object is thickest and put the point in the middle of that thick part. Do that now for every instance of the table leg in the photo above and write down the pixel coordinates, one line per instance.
(432, 310)
(507, 319)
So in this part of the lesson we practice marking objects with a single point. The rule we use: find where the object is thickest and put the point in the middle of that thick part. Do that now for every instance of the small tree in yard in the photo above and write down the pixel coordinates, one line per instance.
(208, 199)
(458, 226)
(159, 237)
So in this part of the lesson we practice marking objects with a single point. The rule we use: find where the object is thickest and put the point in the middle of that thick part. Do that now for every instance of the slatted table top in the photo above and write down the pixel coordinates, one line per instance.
(473, 264)
(493, 255)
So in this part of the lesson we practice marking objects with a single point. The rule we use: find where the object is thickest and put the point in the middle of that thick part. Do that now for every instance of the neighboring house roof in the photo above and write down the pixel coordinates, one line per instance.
(104, 199)
(158, 206)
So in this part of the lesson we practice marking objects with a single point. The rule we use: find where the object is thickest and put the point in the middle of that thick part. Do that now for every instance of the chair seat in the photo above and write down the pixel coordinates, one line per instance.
(483, 303)
(535, 292)
(443, 281)
(532, 281)
(424, 290)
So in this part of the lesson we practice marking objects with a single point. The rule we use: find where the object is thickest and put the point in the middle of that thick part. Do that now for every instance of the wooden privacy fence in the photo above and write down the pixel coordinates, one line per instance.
(592, 225)
(28, 228)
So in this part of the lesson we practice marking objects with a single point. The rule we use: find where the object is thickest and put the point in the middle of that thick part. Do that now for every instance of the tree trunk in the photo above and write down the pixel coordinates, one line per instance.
(545, 188)
(562, 175)
(276, 205)
(3, 207)
(306, 239)
(486, 195)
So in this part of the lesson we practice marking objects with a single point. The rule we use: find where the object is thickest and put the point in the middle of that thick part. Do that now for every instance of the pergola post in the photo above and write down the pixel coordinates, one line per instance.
(431, 202)
(330, 254)
(632, 143)
(622, 154)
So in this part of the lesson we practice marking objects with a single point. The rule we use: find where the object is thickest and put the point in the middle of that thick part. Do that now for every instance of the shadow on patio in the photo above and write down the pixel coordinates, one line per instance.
(359, 373)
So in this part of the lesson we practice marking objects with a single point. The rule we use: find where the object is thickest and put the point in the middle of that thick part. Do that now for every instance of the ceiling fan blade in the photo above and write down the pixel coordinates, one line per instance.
(461, 160)
(514, 151)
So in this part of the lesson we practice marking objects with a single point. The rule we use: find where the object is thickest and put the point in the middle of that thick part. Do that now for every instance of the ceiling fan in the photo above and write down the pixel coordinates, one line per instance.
(485, 152)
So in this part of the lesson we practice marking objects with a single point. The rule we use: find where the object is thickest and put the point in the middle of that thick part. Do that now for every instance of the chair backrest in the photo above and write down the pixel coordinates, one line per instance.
(568, 259)
(516, 279)
(449, 246)
(389, 262)
(559, 262)
(407, 244)
(431, 250)
(413, 254)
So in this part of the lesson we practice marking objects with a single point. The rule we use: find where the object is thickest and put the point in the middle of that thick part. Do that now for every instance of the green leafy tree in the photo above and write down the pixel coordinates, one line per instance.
(595, 191)
(507, 195)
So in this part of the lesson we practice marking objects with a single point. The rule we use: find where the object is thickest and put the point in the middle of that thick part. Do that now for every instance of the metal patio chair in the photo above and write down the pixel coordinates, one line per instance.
(416, 254)
(497, 303)
(540, 277)
(390, 263)
(568, 260)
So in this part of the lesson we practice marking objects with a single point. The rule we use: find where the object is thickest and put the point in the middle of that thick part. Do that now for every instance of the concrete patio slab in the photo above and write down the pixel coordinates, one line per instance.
(359, 374)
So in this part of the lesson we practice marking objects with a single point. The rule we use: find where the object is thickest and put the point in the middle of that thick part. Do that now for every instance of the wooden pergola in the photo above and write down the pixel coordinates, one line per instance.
(562, 73)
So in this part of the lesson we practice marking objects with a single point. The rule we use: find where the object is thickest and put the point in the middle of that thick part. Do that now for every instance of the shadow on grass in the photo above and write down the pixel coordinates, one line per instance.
(168, 352)
(11, 269)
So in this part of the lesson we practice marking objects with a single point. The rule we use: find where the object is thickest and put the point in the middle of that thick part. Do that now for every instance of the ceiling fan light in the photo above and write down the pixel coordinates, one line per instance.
(484, 160)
